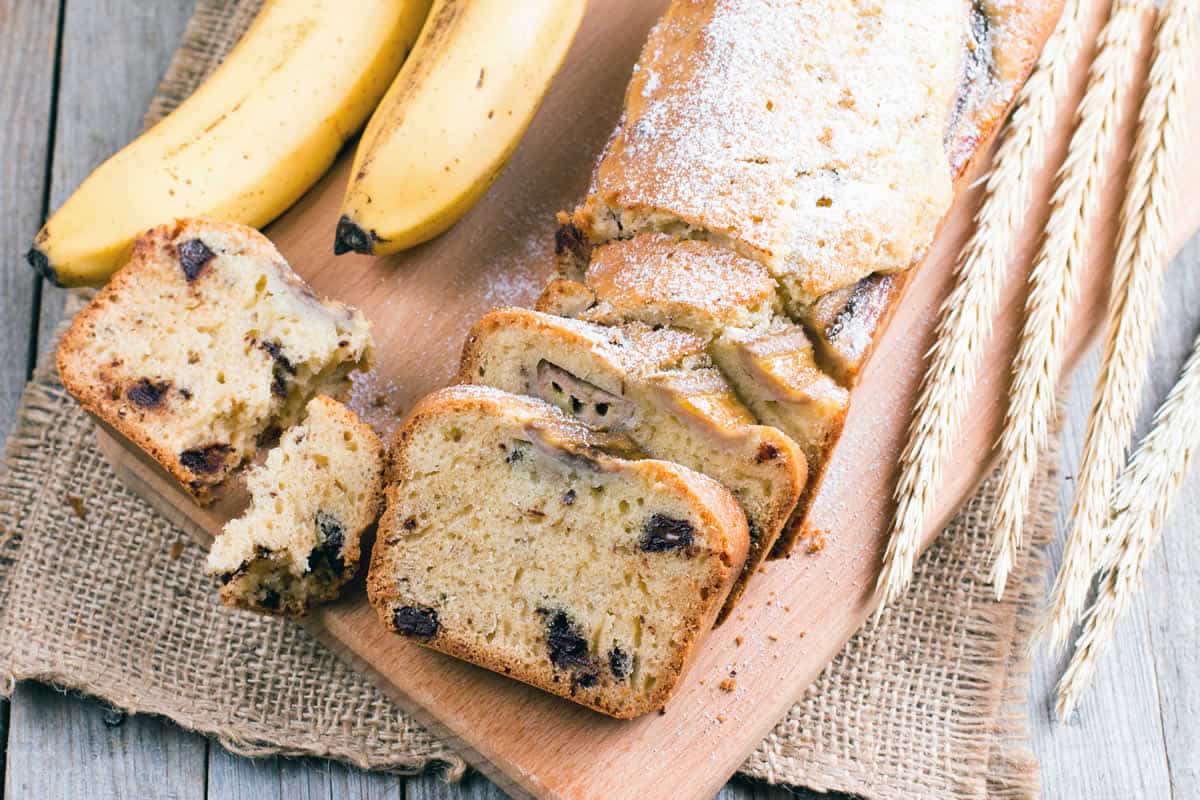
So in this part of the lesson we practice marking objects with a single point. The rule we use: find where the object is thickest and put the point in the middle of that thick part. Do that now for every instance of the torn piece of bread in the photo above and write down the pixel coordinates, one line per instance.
(299, 542)
(205, 342)
(656, 386)
(512, 540)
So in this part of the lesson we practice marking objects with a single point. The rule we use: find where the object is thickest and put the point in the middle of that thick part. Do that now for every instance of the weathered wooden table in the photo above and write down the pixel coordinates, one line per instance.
(75, 78)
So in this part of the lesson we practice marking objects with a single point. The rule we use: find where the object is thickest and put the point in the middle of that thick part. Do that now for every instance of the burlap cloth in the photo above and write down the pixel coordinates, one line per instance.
(100, 594)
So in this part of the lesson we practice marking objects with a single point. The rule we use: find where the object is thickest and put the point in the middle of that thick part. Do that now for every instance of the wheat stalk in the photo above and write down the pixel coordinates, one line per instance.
(1054, 281)
(1139, 270)
(1141, 501)
(965, 318)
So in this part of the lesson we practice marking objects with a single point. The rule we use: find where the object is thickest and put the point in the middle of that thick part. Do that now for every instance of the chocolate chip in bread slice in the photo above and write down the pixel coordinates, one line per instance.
(312, 501)
(514, 540)
(655, 385)
(205, 342)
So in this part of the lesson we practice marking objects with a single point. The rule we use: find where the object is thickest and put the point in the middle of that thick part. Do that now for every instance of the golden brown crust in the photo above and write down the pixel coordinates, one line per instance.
(723, 521)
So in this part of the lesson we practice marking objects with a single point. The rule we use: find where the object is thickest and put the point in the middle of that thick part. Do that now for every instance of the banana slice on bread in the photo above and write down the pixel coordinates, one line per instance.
(513, 540)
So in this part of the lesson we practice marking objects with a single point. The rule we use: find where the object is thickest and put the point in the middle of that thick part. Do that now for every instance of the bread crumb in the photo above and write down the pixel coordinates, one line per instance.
(815, 537)
(774, 637)
(738, 640)
(728, 685)
(721, 718)
(176, 551)
(803, 634)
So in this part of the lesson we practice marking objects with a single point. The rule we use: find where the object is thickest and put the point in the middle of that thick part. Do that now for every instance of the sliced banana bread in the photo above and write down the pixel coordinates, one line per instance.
(513, 540)
(656, 386)
(203, 343)
(300, 540)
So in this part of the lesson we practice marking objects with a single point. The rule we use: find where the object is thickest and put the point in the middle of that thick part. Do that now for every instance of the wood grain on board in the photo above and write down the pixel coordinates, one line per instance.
(798, 613)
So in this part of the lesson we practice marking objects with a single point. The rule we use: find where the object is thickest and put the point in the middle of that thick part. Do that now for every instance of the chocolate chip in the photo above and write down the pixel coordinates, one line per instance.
(279, 381)
(328, 552)
(568, 647)
(569, 497)
(205, 460)
(661, 533)
(766, 452)
(146, 393)
(275, 351)
(419, 622)
(194, 256)
(280, 370)
(584, 680)
(270, 600)
(618, 662)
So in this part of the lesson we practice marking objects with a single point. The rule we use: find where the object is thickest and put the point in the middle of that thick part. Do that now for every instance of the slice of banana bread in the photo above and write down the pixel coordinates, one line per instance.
(317, 493)
(512, 540)
(656, 386)
(203, 343)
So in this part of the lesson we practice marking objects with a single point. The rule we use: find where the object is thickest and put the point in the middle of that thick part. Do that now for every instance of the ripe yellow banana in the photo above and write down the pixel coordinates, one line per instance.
(452, 118)
(249, 142)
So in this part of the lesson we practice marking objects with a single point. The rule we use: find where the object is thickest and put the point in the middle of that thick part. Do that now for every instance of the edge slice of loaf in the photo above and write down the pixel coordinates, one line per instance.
(299, 542)
(204, 343)
(512, 540)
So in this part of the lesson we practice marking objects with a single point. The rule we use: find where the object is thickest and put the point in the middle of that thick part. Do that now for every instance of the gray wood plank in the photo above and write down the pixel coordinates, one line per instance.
(1172, 584)
(476, 787)
(473, 786)
(97, 753)
(742, 789)
(1135, 732)
(28, 40)
(1113, 749)
(28, 37)
(232, 777)
(114, 52)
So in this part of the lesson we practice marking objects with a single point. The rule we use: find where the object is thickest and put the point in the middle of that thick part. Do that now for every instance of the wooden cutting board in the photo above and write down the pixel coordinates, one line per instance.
(797, 614)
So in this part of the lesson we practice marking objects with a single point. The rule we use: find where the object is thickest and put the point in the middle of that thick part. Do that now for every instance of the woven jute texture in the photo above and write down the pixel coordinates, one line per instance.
(100, 594)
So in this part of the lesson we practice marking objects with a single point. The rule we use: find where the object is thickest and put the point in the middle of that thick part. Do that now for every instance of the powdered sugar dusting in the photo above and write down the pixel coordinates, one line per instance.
(810, 134)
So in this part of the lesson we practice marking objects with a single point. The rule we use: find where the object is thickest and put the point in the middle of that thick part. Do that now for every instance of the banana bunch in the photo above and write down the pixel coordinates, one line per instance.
(452, 118)
(249, 142)
(304, 78)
